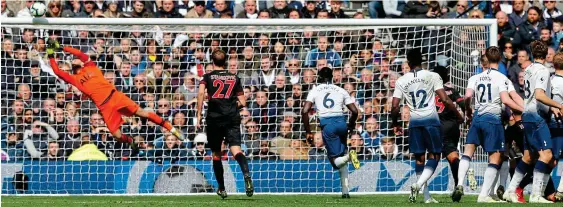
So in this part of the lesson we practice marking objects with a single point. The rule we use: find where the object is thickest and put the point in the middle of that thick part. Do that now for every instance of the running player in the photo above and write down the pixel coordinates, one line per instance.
(491, 88)
(226, 96)
(112, 104)
(329, 101)
(537, 138)
(419, 87)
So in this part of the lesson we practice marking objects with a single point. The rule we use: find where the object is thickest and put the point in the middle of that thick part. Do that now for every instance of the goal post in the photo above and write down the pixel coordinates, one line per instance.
(157, 62)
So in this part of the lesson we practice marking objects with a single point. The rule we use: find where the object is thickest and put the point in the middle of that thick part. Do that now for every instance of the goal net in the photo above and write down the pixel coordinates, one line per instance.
(54, 140)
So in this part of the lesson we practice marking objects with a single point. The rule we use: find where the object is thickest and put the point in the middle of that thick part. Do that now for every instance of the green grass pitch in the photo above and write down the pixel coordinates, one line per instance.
(239, 200)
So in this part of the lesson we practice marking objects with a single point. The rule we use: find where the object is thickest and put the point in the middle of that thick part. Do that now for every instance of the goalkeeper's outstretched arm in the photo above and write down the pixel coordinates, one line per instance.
(83, 57)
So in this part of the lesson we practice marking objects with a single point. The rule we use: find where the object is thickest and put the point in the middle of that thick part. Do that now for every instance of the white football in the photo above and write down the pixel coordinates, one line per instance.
(38, 9)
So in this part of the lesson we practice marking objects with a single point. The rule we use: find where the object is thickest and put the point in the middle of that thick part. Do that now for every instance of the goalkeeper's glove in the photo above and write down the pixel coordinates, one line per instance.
(52, 46)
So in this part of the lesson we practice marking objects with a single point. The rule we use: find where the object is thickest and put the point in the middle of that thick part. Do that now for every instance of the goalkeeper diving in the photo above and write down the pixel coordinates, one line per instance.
(88, 78)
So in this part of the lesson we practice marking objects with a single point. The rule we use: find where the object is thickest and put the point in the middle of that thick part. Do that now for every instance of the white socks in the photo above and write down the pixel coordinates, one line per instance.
(489, 178)
(344, 179)
(463, 167)
(341, 161)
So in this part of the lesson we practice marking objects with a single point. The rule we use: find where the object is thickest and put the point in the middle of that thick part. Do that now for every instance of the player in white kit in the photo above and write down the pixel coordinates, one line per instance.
(555, 124)
(491, 89)
(329, 101)
(419, 87)
(537, 138)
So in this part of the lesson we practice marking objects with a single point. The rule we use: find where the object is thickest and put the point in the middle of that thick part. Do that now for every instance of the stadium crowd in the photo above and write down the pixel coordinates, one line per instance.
(44, 118)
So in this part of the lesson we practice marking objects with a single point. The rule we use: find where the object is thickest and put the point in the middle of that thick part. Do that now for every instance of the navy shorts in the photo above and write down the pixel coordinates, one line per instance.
(557, 142)
(488, 135)
(425, 138)
(536, 133)
(219, 132)
(335, 132)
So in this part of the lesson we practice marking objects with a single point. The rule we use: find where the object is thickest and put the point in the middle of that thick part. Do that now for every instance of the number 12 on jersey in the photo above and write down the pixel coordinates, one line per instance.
(421, 96)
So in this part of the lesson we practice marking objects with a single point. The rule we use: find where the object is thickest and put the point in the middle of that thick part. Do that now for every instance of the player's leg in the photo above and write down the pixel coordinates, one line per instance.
(433, 144)
(503, 176)
(334, 136)
(215, 135)
(544, 165)
(493, 144)
(491, 174)
(416, 146)
(233, 139)
(521, 168)
(113, 121)
(450, 134)
(153, 117)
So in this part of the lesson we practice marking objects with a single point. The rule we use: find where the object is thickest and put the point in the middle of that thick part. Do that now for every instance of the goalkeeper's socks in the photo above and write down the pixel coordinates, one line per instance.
(489, 179)
(519, 174)
(454, 167)
(463, 168)
(218, 170)
(341, 161)
(428, 171)
(344, 179)
(241, 159)
(504, 168)
(126, 139)
(158, 120)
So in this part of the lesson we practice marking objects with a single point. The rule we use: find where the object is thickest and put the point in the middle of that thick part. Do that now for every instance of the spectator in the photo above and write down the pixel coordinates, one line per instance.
(550, 12)
(267, 74)
(251, 138)
(264, 113)
(264, 14)
(112, 10)
(264, 153)
(520, 86)
(13, 144)
(545, 36)
(322, 14)
(508, 57)
(420, 9)
(6, 12)
(164, 109)
(294, 14)
(199, 152)
(74, 9)
(199, 11)
(318, 151)
(323, 52)
(168, 10)
(71, 139)
(25, 12)
(249, 10)
(280, 90)
(279, 10)
(54, 9)
(507, 32)
(159, 79)
(296, 151)
(459, 12)
(357, 143)
(388, 150)
(188, 89)
(139, 10)
(336, 12)
(523, 59)
(221, 8)
(36, 140)
(293, 70)
(549, 60)
(518, 16)
(310, 10)
(371, 135)
(172, 150)
(54, 152)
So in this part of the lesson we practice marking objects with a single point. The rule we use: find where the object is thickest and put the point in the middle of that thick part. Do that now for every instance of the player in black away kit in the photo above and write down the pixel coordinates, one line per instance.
(226, 97)
(450, 127)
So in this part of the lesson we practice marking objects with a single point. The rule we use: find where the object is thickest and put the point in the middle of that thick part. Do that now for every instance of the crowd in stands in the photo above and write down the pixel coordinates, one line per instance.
(45, 118)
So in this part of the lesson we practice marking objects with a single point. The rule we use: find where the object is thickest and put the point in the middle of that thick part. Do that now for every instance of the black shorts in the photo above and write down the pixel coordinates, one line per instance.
(219, 132)
(450, 137)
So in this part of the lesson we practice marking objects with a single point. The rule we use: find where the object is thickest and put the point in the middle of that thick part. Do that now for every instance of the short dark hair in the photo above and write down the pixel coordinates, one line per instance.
(493, 54)
(414, 58)
(325, 75)
(539, 49)
(443, 72)
(219, 58)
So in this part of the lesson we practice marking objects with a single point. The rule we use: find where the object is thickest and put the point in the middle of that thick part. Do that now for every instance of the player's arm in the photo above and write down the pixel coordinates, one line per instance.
(505, 98)
(240, 94)
(395, 109)
(200, 97)
(352, 108)
(83, 57)
(448, 103)
(460, 101)
(539, 90)
(305, 116)
(467, 102)
(53, 45)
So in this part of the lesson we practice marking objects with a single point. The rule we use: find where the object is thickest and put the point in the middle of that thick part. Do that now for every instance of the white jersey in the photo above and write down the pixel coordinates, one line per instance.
(329, 100)
(536, 76)
(419, 87)
(487, 87)
(556, 95)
